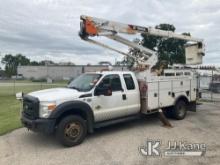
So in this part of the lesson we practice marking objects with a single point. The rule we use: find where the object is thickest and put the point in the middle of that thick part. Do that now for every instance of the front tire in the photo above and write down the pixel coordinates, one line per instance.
(180, 110)
(71, 130)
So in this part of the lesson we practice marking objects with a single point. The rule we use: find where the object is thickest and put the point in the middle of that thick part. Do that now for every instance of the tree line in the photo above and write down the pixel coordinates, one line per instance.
(11, 63)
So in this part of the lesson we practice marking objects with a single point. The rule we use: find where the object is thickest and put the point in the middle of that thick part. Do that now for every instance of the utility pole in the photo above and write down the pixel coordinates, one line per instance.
(212, 85)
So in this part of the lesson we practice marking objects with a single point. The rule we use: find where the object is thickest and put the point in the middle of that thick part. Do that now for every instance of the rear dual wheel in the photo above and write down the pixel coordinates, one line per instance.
(178, 111)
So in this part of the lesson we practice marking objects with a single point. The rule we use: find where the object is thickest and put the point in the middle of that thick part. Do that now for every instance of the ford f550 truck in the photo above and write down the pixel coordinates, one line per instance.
(101, 98)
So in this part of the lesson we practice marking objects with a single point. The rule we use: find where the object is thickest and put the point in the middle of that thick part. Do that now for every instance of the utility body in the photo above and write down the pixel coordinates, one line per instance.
(101, 98)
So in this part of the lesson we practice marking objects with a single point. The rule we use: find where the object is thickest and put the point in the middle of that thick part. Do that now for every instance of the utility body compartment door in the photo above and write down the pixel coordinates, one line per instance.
(152, 95)
(165, 93)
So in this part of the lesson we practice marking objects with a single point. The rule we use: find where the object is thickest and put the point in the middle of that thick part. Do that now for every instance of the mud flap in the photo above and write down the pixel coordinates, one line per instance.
(192, 106)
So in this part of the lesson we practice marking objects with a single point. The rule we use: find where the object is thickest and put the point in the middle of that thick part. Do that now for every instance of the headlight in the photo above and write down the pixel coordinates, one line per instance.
(46, 109)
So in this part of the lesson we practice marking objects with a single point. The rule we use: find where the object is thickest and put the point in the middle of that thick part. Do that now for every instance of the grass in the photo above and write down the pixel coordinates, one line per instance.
(13, 89)
(9, 114)
(10, 107)
(16, 81)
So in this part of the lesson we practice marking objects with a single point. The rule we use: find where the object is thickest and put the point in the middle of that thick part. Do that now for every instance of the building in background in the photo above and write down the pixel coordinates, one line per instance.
(60, 72)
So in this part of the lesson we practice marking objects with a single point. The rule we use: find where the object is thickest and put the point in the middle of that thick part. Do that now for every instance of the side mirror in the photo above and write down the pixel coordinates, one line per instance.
(106, 91)
(19, 96)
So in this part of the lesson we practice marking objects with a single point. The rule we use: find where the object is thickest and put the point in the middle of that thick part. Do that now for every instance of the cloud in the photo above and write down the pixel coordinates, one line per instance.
(44, 29)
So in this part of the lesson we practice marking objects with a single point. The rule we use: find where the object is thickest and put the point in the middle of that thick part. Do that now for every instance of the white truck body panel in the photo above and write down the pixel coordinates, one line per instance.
(162, 92)
(110, 107)
(56, 94)
(106, 108)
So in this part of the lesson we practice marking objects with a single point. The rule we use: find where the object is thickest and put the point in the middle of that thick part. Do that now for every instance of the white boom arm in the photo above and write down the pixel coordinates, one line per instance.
(91, 26)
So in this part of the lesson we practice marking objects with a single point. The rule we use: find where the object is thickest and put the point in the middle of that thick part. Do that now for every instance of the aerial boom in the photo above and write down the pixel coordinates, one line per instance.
(91, 27)
(101, 27)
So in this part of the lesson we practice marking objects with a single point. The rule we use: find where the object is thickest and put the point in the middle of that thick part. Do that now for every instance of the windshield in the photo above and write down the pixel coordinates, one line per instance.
(84, 82)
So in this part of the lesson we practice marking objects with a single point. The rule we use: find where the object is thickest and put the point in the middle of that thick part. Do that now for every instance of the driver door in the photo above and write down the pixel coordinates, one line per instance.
(110, 107)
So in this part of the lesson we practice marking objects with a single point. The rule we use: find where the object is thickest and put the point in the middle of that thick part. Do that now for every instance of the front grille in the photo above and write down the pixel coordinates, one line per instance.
(30, 107)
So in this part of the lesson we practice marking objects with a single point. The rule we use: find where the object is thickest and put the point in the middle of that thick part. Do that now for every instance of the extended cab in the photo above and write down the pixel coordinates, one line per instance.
(102, 98)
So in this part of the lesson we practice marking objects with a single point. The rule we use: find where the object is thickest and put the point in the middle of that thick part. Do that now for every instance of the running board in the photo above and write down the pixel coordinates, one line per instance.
(115, 121)
(148, 112)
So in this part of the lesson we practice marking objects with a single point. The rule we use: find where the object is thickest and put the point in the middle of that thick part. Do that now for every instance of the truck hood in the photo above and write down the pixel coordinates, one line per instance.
(56, 94)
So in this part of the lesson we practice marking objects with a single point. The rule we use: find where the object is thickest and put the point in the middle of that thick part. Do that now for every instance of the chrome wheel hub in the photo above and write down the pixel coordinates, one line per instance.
(72, 130)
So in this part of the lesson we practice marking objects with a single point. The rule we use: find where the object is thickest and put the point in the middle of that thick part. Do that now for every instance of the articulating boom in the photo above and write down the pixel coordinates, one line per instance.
(91, 26)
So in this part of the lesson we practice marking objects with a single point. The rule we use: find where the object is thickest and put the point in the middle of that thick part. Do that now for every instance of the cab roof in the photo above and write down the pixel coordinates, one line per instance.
(111, 72)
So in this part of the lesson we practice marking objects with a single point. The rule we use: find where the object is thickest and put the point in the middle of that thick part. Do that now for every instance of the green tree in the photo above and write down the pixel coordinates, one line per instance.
(11, 62)
(21, 60)
(129, 61)
(34, 63)
(46, 62)
(169, 50)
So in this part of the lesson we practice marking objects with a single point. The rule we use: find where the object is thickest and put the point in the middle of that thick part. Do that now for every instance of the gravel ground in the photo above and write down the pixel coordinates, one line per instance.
(119, 144)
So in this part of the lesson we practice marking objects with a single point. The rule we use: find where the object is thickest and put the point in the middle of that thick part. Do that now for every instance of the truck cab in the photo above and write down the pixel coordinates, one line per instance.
(89, 101)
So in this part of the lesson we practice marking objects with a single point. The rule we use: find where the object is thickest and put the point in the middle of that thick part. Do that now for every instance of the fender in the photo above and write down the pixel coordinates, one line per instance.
(191, 105)
(77, 107)
(181, 97)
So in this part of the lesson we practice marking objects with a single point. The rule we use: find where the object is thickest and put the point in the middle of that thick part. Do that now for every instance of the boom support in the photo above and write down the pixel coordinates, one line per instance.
(91, 26)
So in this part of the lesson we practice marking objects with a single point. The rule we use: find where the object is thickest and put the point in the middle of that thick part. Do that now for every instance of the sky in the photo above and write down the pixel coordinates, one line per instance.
(48, 29)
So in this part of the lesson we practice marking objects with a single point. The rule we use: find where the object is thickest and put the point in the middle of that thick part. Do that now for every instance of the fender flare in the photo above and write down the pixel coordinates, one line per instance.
(181, 97)
(78, 107)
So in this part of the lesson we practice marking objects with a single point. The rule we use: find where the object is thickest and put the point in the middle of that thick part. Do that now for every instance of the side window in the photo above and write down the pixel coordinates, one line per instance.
(179, 73)
(113, 81)
(116, 83)
(187, 73)
(129, 81)
(105, 82)
(169, 74)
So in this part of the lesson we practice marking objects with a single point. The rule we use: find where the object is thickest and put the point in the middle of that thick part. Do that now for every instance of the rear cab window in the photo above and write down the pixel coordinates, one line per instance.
(129, 81)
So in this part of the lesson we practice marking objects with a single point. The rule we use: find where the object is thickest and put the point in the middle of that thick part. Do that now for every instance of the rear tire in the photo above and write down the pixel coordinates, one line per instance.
(71, 130)
(180, 110)
(167, 112)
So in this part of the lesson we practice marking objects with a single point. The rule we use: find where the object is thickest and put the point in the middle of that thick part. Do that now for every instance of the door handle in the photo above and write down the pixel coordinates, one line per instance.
(124, 97)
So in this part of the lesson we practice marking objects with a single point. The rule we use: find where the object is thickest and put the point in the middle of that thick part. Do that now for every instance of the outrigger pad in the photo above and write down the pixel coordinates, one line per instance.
(164, 120)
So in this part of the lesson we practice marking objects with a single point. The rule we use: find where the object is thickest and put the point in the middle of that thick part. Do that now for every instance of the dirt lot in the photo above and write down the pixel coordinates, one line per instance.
(119, 144)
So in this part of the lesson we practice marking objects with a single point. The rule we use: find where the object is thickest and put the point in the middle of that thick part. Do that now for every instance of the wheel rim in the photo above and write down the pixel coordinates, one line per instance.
(72, 130)
(181, 110)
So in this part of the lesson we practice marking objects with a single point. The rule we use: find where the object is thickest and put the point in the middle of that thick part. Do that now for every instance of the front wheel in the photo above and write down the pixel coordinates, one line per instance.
(71, 130)
(180, 110)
